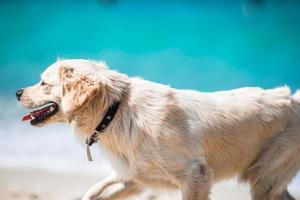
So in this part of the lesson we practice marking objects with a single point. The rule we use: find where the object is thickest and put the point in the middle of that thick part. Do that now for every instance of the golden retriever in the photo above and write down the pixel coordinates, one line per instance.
(169, 138)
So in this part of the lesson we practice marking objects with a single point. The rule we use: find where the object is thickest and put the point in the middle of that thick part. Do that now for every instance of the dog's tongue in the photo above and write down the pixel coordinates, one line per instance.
(26, 117)
(34, 114)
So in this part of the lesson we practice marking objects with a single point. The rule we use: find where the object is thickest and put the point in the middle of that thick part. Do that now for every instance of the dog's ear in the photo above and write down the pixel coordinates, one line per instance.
(77, 90)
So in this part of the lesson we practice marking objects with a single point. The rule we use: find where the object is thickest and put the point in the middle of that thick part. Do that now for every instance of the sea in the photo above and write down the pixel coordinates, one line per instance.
(206, 45)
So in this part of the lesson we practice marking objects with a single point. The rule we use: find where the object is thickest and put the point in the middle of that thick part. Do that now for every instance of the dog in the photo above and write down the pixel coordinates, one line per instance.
(167, 138)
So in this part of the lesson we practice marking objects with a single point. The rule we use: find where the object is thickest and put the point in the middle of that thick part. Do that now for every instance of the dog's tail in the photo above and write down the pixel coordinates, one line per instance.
(296, 96)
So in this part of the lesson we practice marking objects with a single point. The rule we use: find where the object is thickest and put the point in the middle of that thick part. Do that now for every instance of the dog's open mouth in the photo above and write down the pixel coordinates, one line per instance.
(40, 115)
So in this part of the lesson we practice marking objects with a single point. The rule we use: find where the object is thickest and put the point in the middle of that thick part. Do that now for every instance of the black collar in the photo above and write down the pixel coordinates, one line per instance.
(108, 117)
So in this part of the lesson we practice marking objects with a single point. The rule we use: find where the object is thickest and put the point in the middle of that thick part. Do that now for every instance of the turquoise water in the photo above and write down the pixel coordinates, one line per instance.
(205, 45)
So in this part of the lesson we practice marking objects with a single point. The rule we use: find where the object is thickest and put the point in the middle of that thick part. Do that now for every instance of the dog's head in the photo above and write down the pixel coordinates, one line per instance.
(66, 89)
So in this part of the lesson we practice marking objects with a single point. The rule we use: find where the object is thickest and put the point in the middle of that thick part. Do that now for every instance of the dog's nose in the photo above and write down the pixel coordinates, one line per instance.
(19, 94)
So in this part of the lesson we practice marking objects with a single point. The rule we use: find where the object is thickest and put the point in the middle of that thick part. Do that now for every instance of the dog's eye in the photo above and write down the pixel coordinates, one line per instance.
(43, 83)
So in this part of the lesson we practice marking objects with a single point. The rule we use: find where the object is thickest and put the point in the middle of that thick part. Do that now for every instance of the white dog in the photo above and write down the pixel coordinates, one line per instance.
(158, 136)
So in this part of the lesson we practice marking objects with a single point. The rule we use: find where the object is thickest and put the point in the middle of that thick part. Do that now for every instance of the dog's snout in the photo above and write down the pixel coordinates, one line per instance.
(19, 94)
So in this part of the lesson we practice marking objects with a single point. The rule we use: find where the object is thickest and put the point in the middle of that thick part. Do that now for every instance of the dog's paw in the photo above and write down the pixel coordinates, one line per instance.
(87, 196)
(91, 195)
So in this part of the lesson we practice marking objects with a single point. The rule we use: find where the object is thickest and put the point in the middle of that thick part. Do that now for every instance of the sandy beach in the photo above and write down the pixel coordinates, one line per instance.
(33, 184)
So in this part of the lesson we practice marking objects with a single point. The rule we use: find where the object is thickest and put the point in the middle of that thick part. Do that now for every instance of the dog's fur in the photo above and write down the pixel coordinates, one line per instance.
(163, 137)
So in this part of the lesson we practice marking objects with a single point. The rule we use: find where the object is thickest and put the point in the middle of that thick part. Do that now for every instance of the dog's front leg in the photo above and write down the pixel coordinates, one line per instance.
(194, 181)
(112, 189)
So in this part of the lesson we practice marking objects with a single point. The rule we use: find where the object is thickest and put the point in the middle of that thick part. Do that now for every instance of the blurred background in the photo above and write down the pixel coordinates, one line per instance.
(206, 45)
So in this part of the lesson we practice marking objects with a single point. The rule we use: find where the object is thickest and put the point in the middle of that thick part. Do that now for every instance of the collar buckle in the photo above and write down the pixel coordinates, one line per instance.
(90, 141)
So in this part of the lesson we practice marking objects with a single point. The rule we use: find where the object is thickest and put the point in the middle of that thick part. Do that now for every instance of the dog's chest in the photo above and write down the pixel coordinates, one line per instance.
(121, 164)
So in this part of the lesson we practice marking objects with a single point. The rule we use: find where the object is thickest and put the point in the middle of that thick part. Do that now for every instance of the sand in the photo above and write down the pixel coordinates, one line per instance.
(31, 184)
(36, 184)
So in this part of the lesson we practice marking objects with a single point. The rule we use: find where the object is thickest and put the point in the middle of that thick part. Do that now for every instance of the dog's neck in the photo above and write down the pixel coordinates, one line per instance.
(85, 122)
(105, 122)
